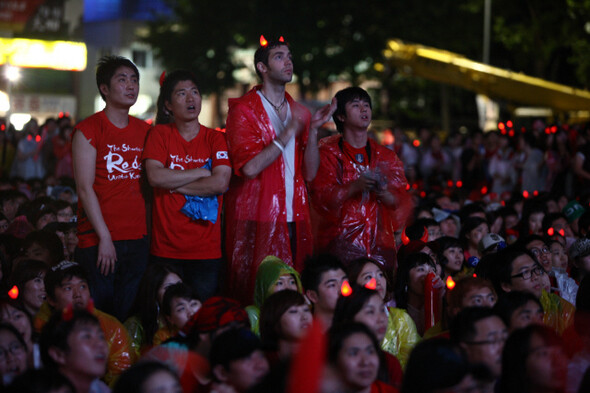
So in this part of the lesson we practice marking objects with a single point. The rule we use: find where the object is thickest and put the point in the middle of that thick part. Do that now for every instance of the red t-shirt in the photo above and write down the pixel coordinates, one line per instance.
(116, 181)
(175, 235)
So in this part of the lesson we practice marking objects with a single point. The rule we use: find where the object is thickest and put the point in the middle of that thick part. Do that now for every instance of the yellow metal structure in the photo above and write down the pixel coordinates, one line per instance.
(496, 83)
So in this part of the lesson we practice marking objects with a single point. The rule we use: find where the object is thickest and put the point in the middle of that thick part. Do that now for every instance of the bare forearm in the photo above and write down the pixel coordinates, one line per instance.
(171, 178)
(206, 186)
(93, 212)
(311, 159)
(261, 161)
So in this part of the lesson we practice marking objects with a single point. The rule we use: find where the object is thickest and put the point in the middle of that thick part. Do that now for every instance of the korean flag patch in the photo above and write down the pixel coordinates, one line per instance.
(222, 155)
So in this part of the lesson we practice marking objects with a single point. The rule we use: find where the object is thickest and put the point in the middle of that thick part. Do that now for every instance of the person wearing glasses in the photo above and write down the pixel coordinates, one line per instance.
(481, 333)
(517, 270)
(13, 354)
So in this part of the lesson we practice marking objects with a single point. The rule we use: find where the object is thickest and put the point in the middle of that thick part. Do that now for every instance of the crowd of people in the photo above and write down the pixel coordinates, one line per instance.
(281, 256)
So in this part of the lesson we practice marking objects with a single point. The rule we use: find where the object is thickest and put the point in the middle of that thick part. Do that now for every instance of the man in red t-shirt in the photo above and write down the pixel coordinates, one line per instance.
(185, 160)
(112, 229)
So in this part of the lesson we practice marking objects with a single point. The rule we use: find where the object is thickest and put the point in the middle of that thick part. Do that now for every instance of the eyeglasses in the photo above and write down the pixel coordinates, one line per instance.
(15, 348)
(537, 251)
(527, 274)
(493, 341)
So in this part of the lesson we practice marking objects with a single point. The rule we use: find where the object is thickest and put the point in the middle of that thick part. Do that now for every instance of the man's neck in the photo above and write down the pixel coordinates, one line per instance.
(324, 317)
(188, 130)
(118, 116)
(357, 138)
(273, 92)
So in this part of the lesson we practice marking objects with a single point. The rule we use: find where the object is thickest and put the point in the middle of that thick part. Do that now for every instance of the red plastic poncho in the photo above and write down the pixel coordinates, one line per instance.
(362, 225)
(255, 211)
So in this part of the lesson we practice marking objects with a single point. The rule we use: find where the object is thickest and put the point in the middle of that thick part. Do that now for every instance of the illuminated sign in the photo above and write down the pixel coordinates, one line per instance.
(57, 55)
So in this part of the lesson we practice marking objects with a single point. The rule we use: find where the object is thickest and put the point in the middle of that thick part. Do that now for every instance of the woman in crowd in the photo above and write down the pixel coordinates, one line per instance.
(148, 377)
(533, 361)
(145, 317)
(401, 334)
(14, 313)
(273, 275)
(353, 350)
(366, 306)
(284, 319)
(13, 354)
(472, 231)
(28, 276)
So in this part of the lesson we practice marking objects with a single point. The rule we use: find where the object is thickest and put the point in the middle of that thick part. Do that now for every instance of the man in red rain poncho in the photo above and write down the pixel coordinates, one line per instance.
(360, 188)
(272, 142)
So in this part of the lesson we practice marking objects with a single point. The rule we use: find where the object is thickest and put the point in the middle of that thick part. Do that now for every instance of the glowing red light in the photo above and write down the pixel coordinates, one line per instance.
(547, 131)
(459, 184)
(38, 138)
(562, 232)
(484, 190)
(553, 129)
(503, 132)
(149, 121)
(281, 39)
(13, 293)
(371, 284)
(2, 127)
(450, 283)
(501, 126)
(345, 289)
(535, 193)
(449, 183)
(509, 123)
(523, 130)
(525, 194)
(61, 114)
(29, 137)
(422, 194)
(511, 133)
(474, 275)
(405, 238)
(263, 41)
(416, 143)
(415, 186)
(408, 187)
(551, 231)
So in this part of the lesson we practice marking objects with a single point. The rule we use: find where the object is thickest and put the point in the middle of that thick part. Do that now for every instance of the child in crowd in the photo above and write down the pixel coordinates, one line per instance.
(180, 303)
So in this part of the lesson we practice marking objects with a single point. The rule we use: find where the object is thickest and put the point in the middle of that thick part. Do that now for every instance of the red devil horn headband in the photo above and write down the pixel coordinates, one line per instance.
(263, 41)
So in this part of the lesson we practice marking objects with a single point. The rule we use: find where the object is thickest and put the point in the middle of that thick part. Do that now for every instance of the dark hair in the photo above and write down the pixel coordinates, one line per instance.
(8, 327)
(549, 218)
(338, 333)
(468, 225)
(39, 381)
(47, 240)
(501, 273)
(263, 52)
(355, 267)
(400, 288)
(509, 302)
(25, 271)
(467, 211)
(233, 344)
(180, 290)
(18, 304)
(315, 267)
(145, 306)
(133, 379)
(516, 351)
(445, 362)
(270, 315)
(463, 325)
(530, 207)
(163, 116)
(56, 331)
(348, 306)
(106, 68)
(345, 96)
(463, 285)
(444, 243)
(64, 271)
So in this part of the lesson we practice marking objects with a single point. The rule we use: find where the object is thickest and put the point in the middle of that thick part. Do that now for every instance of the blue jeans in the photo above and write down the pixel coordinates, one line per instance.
(115, 292)
(202, 275)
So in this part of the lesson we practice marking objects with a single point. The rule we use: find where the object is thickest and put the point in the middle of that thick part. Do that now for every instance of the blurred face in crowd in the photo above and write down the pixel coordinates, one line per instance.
(434, 232)
(417, 276)
(479, 297)
(448, 227)
(530, 313)
(34, 292)
(181, 310)
(455, 257)
(477, 233)
(295, 322)
(244, 373)
(13, 355)
(161, 382)
(328, 291)
(370, 271)
(536, 223)
(73, 290)
(38, 252)
(19, 320)
(526, 275)
(358, 361)
(65, 215)
(373, 315)
(487, 344)
(44, 220)
(558, 256)
(286, 281)
(171, 279)
(541, 252)
(546, 366)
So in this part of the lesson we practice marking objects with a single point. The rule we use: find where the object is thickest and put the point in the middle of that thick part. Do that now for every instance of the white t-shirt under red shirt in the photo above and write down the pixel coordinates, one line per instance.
(175, 235)
(117, 178)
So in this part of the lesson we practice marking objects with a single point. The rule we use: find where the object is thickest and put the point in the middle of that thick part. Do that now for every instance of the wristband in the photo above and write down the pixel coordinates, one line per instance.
(278, 144)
